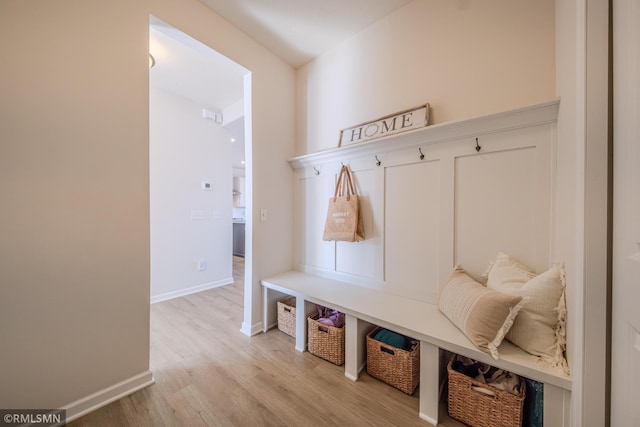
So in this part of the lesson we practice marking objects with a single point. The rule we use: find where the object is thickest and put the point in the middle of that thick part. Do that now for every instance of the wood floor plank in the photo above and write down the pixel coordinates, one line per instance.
(209, 374)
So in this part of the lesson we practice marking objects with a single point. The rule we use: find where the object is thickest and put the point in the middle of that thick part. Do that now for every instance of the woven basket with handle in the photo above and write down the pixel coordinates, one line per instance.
(395, 366)
(287, 316)
(481, 405)
(326, 341)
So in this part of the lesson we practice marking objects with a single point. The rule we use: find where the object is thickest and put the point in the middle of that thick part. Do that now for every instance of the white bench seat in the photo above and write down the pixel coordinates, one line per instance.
(419, 320)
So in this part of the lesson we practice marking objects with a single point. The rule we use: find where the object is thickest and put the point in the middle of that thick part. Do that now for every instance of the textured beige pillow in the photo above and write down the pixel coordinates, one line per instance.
(482, 314)
(539, 329)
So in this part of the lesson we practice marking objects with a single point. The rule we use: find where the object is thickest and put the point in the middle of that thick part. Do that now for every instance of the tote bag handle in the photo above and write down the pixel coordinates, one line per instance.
(344, 184)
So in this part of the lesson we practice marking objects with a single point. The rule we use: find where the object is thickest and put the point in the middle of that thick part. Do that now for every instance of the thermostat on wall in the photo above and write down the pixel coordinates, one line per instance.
(206, 185)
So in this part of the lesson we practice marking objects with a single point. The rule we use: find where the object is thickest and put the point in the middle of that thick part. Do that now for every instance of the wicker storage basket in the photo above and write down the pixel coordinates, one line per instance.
(287, 316)
(395, 366)
(326, 341)
(478, 409)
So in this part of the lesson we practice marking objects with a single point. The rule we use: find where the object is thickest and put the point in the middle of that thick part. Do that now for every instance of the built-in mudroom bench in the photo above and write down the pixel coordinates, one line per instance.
(423, 321)
(446, 195)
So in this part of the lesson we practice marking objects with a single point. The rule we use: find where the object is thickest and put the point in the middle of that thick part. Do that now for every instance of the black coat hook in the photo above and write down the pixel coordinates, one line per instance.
(378, 162)
(316, 171)
(478, 147)
(421, 154)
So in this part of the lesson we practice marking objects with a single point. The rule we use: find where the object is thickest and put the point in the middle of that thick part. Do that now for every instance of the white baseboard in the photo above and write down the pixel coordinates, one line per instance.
(110, 394)
(351, 377)
(428, 419)
(360, 369)
(251, 330)
(271, 326)
(192, 290)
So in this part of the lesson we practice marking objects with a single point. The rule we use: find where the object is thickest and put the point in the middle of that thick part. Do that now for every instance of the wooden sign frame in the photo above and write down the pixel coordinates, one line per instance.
(392, 124)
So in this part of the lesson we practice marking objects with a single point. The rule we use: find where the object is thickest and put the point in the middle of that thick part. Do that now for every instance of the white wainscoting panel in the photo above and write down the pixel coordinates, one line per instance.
(360, 259)
(411, 227)
(314, 192)
(430, 200)
(502, 201)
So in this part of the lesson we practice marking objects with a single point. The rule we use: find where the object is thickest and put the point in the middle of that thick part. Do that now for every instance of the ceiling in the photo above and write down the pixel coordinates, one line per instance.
(295, 30)
(300, 30)
(191, 69)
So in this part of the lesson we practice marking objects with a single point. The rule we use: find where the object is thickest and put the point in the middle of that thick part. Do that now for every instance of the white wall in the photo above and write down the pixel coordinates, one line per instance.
(233, 112)
(74, 180)
(74, 170)
(184, 151)
(465, 58)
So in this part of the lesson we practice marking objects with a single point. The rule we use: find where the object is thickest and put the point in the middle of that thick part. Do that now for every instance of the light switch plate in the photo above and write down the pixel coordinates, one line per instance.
(197, 214)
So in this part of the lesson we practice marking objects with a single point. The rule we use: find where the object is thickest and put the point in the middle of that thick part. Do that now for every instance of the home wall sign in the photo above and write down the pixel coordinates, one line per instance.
(389, 125)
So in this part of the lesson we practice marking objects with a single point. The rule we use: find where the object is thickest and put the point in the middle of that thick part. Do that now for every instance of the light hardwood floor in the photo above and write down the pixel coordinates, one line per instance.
(209, 374)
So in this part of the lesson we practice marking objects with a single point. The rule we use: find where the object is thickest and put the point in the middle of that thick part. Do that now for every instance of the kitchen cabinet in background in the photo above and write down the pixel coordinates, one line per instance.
(238, 239)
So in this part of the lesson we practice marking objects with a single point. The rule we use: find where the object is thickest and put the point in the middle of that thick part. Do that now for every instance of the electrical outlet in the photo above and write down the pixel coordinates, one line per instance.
(263, 215)
(202, 265)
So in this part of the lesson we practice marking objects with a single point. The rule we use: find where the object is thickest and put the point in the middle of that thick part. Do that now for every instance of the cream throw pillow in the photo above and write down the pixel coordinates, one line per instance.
(539, 329)
(482, 314)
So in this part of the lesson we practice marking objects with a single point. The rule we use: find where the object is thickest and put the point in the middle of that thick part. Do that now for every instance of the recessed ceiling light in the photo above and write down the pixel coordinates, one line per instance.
(233, 140)
(242, 162)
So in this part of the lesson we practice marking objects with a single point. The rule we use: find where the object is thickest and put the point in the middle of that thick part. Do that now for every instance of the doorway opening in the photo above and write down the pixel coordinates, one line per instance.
(199, 140)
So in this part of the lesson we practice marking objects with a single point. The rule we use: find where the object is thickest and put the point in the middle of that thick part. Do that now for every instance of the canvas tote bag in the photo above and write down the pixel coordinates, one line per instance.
(344, 222)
